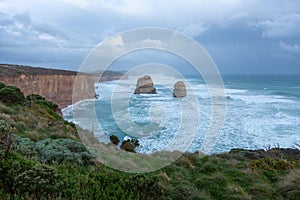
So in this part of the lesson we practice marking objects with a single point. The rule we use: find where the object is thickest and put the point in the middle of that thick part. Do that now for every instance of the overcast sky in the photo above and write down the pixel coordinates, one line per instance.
(242, 36)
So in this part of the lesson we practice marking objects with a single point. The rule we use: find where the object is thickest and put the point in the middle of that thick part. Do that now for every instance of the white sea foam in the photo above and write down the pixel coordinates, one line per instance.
(235, 91)
(262, 99)
(254, 119)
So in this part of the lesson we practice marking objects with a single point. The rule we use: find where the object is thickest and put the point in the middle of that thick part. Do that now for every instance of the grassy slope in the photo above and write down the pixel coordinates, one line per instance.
(17, 70)
(43, 158)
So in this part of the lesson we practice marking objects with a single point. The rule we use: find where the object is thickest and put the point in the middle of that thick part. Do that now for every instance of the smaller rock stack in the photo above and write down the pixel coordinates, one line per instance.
(179, 90)
(145, 86)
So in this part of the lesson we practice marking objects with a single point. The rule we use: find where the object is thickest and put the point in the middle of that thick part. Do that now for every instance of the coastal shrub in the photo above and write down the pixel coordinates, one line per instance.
(6, 109)
(10, 167)
(32, 98)
(114, 139)
(146, 184)
(11, 95)
(25, 146)
(130, 145)
(48, 104)
(6, 138)
(50, 107)
(20, 127)
(55, 151)
(271, 164)
(73, 146)
(38, 181)
(2, 85)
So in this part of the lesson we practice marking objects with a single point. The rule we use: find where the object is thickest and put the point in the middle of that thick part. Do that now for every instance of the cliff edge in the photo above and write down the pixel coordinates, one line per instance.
(53, 84)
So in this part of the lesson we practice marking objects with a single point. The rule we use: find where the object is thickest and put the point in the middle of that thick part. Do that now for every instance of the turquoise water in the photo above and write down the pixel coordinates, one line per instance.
(261, 110)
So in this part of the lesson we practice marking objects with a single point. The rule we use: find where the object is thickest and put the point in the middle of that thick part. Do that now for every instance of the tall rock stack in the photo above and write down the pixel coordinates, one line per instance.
(179, 89)
(145, 86)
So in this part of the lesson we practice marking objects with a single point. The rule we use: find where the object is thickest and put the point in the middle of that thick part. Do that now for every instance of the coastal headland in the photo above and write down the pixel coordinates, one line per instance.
(53, 84)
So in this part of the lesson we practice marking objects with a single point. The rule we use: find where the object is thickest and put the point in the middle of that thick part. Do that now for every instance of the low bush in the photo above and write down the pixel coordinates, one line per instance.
(130, 145)
(114, 139)
(55, 151)
(2, 85)
(11, 95)
(34, 97)
(6, 138)
(271, 164)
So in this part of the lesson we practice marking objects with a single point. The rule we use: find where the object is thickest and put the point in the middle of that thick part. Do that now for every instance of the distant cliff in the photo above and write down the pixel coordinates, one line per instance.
(53, 84)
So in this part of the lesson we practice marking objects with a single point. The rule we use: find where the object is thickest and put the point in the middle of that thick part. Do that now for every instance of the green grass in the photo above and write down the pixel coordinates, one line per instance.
(26, 171)
(42, 157)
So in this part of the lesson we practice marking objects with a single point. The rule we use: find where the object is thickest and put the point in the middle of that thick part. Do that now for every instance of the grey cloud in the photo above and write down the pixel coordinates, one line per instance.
(285, 26)
(294, 48)
(68, 29)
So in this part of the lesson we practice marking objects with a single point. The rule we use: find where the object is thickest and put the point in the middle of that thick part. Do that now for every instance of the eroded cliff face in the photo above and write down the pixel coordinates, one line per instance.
(54, 84)
(54, 87)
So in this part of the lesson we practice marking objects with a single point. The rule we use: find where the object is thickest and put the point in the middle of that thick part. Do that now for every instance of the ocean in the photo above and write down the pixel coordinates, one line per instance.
(261, 111)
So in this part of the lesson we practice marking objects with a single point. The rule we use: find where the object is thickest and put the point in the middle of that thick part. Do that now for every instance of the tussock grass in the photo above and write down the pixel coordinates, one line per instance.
(290, 184)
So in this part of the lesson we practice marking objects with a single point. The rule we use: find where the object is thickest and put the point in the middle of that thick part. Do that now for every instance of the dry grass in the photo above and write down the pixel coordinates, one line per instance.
(290, 184)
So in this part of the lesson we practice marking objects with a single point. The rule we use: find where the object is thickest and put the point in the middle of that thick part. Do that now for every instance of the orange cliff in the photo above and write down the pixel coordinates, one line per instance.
(55, 85)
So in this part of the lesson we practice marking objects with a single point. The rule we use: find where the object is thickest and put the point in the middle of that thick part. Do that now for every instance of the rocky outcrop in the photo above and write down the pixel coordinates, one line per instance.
(145, 85)
(55, 85)
(179, 89)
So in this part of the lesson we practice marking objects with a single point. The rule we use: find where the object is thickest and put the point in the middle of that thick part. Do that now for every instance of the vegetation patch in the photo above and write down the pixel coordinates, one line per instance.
(41, 157)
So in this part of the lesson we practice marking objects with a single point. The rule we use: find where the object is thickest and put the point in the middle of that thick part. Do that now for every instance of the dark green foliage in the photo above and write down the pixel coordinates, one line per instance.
(28, 178)
(35, 97)
(11, 95)
(52, 106)
(38, 181)
(147, 184)
(2, 85)
(114, 139)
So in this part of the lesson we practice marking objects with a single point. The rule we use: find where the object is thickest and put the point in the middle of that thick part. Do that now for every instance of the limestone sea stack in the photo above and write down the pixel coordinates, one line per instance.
(145, 86)
(179, 89)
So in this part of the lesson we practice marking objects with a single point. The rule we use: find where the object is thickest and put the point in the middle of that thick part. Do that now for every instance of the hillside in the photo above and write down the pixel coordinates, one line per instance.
(42, 158)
